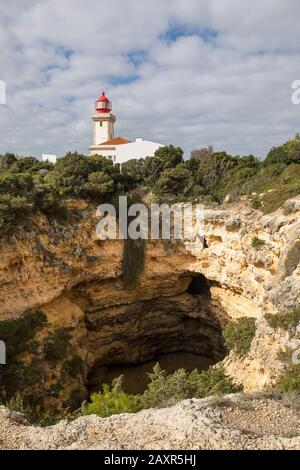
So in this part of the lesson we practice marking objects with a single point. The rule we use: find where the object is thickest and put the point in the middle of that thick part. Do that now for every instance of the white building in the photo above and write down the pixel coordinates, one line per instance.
(119, 149)
(49, 158)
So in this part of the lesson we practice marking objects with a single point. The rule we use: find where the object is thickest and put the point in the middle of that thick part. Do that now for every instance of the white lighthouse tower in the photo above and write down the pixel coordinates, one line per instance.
(103, 120)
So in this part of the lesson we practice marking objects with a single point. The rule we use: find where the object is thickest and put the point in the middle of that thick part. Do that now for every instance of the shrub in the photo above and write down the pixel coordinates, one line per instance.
(13, 211)
(163, 390)
(290, 381)
(174, 181)
(285, 321)
(98, 184)
(239, 335)
(74, 366)
(18, 335)
(166, 389)
(214, 381)
(17, 404)
(256, 203)
(112, 400)
(257, 242)
(6, 161)
(56, 345)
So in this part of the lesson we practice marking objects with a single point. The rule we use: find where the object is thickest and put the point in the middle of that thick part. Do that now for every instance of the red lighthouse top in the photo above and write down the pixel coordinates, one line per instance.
(103, 105)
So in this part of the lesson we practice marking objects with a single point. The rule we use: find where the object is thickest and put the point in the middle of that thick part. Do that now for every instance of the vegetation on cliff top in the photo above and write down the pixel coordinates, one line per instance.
(28, 185)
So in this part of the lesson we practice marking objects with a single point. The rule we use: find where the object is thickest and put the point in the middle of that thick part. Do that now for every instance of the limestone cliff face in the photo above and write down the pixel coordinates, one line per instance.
(266, 276)
(92, 321)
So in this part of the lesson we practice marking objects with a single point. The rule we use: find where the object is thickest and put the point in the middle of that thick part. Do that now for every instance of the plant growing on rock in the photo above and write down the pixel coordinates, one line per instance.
(290, 380)
(239, 335)
(257, 242)
(163, 390)
(112, 400)
(286, 321)
(56, 345)
(18, 335)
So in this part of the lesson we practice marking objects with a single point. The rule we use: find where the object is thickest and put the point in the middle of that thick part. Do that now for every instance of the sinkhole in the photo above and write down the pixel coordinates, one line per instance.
(182, 331)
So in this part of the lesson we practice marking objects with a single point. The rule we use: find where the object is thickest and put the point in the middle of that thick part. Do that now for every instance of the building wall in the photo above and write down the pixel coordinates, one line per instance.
(136, 150)
(103, 127)
(109, 152)
(49, 158)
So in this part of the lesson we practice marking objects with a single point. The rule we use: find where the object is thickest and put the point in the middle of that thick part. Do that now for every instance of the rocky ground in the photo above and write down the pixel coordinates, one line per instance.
(233, 422)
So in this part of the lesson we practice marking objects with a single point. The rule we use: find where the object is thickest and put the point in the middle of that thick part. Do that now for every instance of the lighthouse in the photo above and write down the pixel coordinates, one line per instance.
(103, 120)
(118, 149)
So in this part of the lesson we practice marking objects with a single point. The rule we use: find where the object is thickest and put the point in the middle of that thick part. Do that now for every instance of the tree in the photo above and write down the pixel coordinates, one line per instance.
(134, 171)
(276, 155)
(202, 153)
(176, 181)
(169, 155)
(6, 160)
(98, 184)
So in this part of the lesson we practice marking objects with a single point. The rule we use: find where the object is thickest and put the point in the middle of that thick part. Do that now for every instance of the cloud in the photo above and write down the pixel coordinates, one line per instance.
(190, 73)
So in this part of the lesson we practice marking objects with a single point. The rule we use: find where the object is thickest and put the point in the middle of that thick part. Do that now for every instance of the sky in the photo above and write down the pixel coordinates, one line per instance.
(190, 73)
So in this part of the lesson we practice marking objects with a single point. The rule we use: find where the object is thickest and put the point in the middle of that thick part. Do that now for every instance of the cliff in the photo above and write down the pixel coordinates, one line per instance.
(83, 326)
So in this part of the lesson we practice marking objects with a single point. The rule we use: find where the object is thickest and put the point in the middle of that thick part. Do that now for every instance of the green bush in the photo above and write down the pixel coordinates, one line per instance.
(256, 203)
(6, 161)
(286, 321)
(74, 366)
(166, 389)
(257, 242)
(98, 184)
(163, 390)
(56, 345)
(18, 336)
(214, 381)
(13, 211)
(18, 404)
(239, 335)
(290, 381)
(112, 400)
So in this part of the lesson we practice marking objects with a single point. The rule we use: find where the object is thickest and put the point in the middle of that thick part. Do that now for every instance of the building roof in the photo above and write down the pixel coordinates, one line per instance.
(116, 141)
(103, 98)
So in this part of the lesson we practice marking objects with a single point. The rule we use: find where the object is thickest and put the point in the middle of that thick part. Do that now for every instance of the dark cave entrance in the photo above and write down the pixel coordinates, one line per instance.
(199, 285)
(180, 332)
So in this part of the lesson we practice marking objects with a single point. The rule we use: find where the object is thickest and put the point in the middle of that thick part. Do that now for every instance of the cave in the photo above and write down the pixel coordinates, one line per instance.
(199, 285)
(181, 331)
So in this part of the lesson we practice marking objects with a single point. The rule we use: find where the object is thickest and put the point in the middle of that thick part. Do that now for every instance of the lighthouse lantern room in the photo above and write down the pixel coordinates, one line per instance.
(103, 105)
